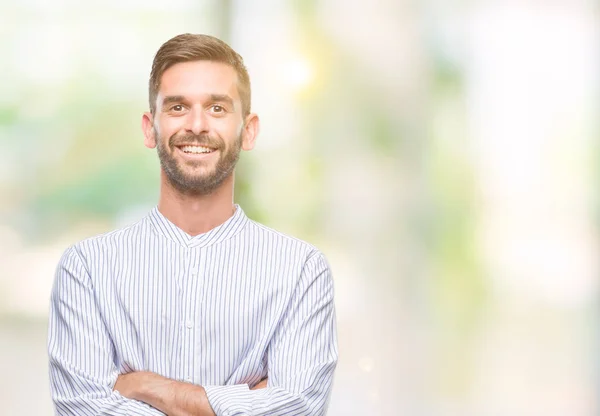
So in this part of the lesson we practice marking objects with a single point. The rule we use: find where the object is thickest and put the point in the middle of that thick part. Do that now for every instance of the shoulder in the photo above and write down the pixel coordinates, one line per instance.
(302, 264)
(110, 242)
(279, 243)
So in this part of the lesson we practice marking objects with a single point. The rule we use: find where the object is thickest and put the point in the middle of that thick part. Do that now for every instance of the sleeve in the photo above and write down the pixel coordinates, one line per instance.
(302, 355)
(82, 370)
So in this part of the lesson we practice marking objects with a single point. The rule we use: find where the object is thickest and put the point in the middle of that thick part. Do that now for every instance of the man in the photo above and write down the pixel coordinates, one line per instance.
(195, 309)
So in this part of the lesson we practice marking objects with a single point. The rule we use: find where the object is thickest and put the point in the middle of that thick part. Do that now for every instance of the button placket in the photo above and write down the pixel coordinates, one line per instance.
(193, 275)
(187, 323)
(193, 285)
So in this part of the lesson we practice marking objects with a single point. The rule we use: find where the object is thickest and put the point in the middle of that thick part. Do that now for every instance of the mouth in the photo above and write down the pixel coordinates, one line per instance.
(195, 152)
(195, 149)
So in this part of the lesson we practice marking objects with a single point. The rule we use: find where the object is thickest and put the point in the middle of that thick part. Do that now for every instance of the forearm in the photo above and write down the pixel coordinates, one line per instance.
(171, 397)
(280, 398)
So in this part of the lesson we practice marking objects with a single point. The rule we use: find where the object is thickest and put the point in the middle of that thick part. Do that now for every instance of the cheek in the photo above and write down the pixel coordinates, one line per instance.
(169, 125)
(231, 132)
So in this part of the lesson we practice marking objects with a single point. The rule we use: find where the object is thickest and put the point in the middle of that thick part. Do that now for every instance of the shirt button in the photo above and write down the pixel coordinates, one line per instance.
(189, 380)
(189, 324)
(194, 274)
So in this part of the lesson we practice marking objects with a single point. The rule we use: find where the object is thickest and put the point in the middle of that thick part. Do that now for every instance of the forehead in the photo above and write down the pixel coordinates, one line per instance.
(197, 79)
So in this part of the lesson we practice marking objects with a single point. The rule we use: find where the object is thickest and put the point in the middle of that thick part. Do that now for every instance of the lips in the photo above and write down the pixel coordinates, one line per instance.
(195, 149)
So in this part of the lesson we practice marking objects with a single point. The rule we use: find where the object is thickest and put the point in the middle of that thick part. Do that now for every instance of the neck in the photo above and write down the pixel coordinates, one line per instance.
(196, 214)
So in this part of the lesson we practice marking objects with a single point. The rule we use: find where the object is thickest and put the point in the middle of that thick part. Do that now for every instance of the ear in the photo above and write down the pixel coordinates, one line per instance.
(148, 129)
(251, 128)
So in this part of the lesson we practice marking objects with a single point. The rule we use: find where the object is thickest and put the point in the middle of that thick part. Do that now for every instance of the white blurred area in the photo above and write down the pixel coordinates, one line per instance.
(532, 100)
(498, 169)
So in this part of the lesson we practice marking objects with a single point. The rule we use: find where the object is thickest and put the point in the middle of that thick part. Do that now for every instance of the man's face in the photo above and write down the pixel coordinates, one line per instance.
(198, 125)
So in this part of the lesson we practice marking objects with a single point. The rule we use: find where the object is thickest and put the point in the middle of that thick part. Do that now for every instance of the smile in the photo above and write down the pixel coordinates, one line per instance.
(196, 149)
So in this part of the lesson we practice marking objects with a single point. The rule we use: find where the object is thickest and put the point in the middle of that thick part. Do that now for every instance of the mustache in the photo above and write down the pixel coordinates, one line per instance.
(200, 140)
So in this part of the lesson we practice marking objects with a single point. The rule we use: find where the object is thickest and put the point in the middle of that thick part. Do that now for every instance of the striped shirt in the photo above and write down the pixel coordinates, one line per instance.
(222, 309)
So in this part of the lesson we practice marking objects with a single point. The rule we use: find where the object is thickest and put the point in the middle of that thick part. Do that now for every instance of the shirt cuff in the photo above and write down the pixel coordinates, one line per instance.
(229, 400)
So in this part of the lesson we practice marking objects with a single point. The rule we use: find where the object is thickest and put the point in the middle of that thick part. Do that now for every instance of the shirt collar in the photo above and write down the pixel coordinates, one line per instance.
(222, 232)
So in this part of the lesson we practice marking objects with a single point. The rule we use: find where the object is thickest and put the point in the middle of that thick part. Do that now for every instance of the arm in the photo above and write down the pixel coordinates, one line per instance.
(302, 355)
(174, 398)
(82, 371)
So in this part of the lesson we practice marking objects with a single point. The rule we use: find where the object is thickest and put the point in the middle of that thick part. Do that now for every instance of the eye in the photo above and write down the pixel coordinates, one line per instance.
(177, 108)
(217, 109)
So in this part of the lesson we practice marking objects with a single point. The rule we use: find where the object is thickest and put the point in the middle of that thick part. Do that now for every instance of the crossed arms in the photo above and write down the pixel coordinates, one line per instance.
(169, 396)
(85, 380)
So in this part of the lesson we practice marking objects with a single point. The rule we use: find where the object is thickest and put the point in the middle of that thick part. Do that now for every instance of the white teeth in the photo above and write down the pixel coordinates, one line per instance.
(196, 149)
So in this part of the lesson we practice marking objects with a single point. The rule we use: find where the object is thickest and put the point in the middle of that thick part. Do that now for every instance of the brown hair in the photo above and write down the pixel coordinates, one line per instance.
(188, 47)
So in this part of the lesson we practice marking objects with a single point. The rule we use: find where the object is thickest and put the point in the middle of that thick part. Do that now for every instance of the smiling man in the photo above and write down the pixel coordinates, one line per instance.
(195, 309)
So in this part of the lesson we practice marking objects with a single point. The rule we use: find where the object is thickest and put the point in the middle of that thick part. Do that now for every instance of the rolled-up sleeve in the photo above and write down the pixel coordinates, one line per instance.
(302, 355)
(82, 370)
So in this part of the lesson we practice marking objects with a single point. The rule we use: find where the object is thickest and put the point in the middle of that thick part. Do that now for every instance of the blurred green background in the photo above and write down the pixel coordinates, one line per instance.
(442, 154)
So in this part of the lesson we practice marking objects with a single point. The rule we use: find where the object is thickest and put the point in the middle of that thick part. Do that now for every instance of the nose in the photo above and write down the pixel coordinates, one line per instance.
(197, 122)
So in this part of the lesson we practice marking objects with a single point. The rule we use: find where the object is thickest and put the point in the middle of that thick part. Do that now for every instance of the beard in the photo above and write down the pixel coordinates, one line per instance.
(197, 178)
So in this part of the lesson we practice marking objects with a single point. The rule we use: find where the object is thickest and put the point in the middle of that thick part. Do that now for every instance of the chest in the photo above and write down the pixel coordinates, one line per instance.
(216, 289)
(194, 308)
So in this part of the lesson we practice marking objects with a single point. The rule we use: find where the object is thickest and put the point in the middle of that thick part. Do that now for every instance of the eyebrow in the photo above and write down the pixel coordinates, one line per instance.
(221, 98)
(170, 99)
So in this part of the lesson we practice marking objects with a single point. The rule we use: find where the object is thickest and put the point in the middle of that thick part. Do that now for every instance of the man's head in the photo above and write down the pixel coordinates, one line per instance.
(199, 117)
(188, 47)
